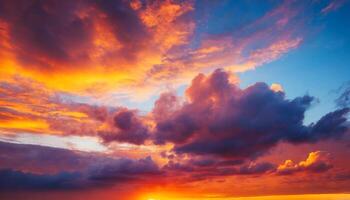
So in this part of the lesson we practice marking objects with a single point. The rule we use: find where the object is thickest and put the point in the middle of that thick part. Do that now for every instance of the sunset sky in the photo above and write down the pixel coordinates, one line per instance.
(174, 100)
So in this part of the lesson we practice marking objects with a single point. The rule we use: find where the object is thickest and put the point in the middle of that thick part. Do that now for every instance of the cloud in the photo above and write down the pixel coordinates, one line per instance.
(28, 167)
(332, 6)
(136, 48)
(108, 44)
(213, 106)
(17, 180)
(203, 168)
(27, 106)
(126, 127)
(343, 99)
(245, 47)
(218, 118)
(254, 168)
(56, 38)
(122, 170)
(41, 159)
(276, 87)
(316, 162)
(206, 169)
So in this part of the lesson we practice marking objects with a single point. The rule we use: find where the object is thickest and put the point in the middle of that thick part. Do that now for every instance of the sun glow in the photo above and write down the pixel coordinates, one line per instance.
(277, 197)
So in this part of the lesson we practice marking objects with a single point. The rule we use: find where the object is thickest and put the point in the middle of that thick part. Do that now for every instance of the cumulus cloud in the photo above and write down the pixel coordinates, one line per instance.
(126, 127)
(316, 162)
(221, 119)
(215, 109)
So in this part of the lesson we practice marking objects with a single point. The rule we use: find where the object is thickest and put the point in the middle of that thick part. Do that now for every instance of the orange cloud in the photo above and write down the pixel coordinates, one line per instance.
(27, 106)
(100, 52)
(128, 48)
(317, 161)
(276, 87)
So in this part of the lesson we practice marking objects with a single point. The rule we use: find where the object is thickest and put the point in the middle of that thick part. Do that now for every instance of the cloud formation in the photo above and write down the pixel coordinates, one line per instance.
(215, 106)
(126, 127)
(120, 46)
(17, 180)
(344, 98)
(31, 167)
(221, 119)
(27, 106)
(316, 162)
(104, 42)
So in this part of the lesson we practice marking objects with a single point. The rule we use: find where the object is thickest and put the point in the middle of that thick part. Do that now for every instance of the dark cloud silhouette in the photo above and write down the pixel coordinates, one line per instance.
(123, 170)
(216, 169)
(41, 159)
(30, 167)
(17, 180)
(221, 119)
(126, 126)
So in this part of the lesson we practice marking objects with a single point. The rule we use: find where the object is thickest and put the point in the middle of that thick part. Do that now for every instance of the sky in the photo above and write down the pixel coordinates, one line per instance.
(174, 99)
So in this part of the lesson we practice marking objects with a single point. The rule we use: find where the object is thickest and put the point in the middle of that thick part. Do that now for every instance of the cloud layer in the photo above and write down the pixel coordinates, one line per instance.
(134, 46)
(31, 167)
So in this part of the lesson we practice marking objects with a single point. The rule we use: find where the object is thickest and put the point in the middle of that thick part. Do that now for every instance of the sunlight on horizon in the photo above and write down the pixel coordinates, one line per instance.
(274, 197)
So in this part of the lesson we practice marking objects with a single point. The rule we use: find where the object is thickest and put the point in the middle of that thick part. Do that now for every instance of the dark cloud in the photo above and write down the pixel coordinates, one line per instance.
(206, 166)
(45, 33)
(17, 180)
(221, 119)
(39, 31)
(123, 170)
(126, 126)
(201, 171)
(37, 167)
(259, 168)
(341, 176)
(41, 159)
(332, 125)
(202, 168)
(126, 26)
